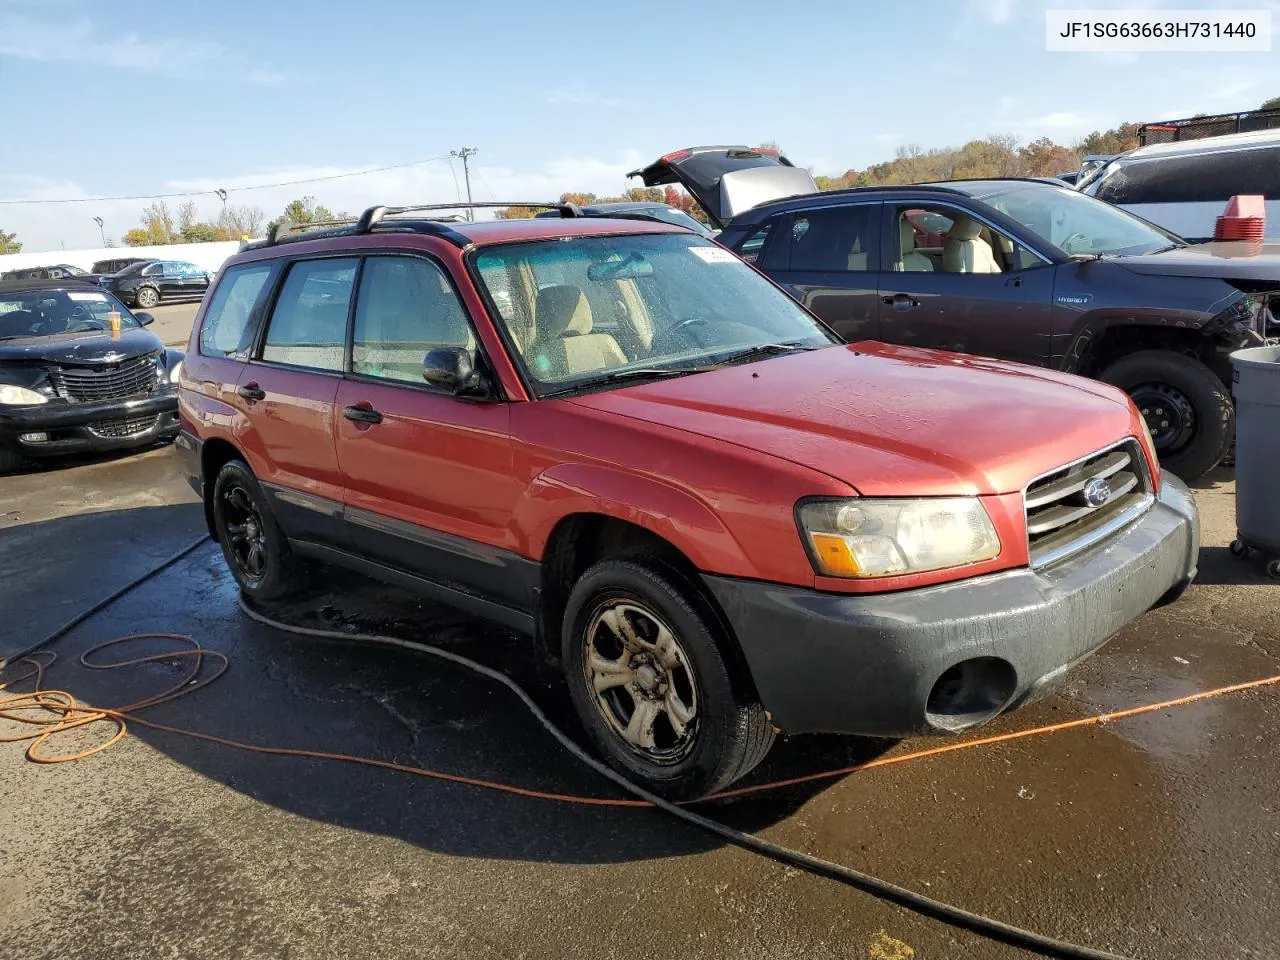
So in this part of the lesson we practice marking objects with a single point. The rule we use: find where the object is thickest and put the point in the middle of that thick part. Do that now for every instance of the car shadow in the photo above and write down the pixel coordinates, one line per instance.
(86, 458)
(282, 690)
(1214, 479)
(1218, 565)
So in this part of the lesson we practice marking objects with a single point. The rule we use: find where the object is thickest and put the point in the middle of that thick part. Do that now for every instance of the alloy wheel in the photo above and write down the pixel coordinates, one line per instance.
(246, 533)
(641, 680)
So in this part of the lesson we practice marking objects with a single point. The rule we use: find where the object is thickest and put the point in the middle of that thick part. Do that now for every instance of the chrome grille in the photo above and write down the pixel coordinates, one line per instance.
(1067, 512)
(124, 427)
(90, 384)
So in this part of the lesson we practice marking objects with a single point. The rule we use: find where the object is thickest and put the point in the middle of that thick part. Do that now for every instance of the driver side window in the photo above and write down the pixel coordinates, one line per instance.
(946, 240)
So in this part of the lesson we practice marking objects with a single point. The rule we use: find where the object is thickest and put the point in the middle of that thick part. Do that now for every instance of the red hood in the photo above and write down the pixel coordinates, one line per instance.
(891, 421)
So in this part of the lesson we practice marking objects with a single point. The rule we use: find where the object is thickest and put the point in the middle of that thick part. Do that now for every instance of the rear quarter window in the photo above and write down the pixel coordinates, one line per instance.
(228, 322)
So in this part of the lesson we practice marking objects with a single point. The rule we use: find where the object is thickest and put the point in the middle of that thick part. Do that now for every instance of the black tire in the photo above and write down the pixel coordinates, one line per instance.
(729, 733)
(10, 460)
(1196, 420)
(243, 521)
(147, 297)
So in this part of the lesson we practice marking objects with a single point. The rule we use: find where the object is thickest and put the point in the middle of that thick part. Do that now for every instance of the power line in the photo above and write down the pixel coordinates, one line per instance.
(220, 191)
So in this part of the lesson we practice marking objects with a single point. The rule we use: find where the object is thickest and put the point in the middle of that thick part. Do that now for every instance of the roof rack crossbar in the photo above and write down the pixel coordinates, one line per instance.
(375, 215)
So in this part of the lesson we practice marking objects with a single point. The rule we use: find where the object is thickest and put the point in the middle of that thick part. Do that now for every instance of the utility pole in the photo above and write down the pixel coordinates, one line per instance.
(463, 155)
(222, 195)
(101, 230)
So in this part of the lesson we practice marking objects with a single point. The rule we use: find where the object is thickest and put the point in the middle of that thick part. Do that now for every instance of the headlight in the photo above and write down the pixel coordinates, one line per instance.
(176, 373)
(13, 396)
(882, 538)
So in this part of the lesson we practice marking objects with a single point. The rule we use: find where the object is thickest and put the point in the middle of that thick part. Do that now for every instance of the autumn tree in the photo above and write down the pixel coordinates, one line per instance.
(157, 221)
(1044, 158)
(9, 243)
(137, 237)
(1272, 104)
(239, 222)
(1117, 140)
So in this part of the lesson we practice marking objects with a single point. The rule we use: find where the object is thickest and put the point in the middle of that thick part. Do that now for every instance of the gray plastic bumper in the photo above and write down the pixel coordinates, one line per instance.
(865, 664)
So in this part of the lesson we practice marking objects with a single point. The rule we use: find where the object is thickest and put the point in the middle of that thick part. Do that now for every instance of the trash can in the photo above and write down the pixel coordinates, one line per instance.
(1256, 388)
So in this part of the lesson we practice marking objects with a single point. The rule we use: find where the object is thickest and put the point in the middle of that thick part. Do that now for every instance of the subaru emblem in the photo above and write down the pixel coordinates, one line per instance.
(1097, 492)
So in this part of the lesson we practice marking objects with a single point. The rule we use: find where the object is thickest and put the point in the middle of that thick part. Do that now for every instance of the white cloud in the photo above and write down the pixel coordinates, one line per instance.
(1064, 120)
(578, 95)
(47, 226)
(888, 139)
(27, 38)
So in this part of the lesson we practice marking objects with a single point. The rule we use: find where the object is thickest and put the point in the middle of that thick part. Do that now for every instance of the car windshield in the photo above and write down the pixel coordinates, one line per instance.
(74, 271)
(590, 310)
(46, 313)
(1075, 223)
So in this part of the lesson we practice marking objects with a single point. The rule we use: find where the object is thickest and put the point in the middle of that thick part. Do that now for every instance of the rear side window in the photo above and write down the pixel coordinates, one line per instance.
(308, 327)
(1194, 179)
(751, 247)
(406, 308)
(832, 240)
(227, 327)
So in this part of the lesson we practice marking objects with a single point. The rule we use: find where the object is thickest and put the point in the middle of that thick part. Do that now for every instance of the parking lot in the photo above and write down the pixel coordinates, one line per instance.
(1152, 836)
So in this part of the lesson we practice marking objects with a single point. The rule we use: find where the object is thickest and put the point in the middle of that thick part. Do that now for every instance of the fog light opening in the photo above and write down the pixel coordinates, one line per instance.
(970, 693)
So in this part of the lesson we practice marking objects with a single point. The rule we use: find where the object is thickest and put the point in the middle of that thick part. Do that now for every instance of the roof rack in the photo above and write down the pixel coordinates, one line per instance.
(374, 217)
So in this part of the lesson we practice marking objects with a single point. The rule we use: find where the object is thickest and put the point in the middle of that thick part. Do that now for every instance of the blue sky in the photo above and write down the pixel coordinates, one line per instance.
(104, 99)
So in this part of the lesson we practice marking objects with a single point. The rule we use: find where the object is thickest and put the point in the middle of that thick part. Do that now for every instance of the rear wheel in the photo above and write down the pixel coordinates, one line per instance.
(651, 684)
(147, 297)
(252, 542)
(1186, 406)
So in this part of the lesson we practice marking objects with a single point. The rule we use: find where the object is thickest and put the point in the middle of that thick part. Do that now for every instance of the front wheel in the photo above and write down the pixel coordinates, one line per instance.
(147, 297)
(651, 683)
(1186, 406)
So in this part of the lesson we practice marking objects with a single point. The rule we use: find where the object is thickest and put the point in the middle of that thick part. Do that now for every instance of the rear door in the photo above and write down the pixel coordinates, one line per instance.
(428, 476)
(170, 280)
(927, 301)
(287, 392)
(828, 258)
(727, 180)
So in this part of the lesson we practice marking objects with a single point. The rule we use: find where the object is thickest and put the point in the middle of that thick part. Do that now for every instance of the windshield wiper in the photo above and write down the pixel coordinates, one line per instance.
(621, 376)
(763, 350)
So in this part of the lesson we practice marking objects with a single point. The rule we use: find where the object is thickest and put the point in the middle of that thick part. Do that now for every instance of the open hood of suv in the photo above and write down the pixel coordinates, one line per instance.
(729, 180)
(1221, 260)
(891, 421)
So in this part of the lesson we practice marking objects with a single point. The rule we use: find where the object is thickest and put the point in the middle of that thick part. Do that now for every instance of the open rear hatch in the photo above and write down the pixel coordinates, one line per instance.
(729, 180)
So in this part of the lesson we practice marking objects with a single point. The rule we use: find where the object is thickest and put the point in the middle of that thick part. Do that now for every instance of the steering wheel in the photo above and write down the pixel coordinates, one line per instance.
(1068, 244)
(676, 331)
(86, 326)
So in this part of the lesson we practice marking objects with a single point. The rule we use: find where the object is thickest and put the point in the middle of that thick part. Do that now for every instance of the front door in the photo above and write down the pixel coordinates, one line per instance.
(287, 394)
(428, 476)
(828, 259)
(955, 283)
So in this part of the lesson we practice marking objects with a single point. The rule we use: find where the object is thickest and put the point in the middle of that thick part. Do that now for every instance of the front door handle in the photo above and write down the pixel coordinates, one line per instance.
(900, 301)
(362, 412)
(251, 392)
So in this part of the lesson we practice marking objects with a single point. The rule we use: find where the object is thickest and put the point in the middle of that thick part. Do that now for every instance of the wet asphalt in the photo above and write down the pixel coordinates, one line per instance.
(1156, 836)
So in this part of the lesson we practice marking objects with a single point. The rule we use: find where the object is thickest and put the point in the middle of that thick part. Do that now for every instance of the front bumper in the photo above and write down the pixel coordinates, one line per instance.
(867, 664)
(56, 428)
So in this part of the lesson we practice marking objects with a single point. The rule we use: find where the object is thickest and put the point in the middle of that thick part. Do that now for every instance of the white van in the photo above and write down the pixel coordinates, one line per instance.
(1184, 186)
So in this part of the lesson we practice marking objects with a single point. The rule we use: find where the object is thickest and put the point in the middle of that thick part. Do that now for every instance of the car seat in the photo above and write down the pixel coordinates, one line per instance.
(965, 251)
(565, 345)
(910, 260)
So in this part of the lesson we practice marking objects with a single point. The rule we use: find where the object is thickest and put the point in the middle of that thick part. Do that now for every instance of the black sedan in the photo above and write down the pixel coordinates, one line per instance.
(152, 282)
(79, 372)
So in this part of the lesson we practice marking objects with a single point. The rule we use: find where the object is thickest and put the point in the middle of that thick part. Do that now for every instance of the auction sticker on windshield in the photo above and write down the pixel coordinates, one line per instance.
(714, 254)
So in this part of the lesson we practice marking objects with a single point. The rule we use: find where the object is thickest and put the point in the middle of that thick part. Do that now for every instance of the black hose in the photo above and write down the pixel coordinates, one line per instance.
(103, 603)
(945, 912)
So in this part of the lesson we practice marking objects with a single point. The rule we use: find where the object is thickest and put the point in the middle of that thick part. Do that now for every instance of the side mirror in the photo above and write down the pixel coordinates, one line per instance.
(144, 318)
(450, 368)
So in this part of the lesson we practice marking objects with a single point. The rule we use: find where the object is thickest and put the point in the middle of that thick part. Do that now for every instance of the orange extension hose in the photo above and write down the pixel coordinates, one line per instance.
(54, 712)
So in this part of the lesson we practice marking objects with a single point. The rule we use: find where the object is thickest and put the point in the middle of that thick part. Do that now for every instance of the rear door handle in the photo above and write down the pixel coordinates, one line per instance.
(362, 413)
(251, 392)
(900, 301)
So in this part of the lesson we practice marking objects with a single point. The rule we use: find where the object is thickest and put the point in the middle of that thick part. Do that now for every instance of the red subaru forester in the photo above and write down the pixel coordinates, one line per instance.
(620, 439)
